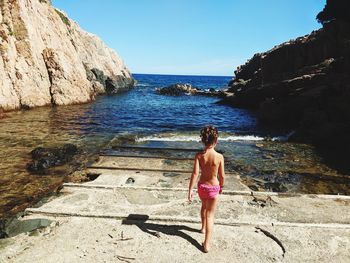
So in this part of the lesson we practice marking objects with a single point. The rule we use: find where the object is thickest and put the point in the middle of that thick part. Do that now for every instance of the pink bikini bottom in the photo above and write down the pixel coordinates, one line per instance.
(206, 191)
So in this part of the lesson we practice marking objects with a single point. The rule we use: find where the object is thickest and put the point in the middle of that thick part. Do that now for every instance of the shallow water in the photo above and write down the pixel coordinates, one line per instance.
(149, 119)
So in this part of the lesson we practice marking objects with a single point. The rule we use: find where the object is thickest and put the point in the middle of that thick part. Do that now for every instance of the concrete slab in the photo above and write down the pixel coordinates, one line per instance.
(144, 163)
(155, 179)
(90, 223)
(232, 209)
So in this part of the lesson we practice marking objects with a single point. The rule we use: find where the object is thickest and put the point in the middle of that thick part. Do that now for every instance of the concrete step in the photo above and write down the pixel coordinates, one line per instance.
(129, 155)
(155, 179)
(143, 163)
(224, 192)
(232, 209)
(145, 148)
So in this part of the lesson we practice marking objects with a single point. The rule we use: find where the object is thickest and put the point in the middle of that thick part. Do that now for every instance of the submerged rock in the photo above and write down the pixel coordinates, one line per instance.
(44, 158)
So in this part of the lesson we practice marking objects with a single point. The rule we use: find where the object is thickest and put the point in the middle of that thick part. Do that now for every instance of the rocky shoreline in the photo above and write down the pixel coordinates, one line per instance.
(304, 85)
(47, 59)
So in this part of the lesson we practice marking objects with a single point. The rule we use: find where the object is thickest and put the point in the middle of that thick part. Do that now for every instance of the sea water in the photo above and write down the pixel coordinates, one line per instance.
(141, 116)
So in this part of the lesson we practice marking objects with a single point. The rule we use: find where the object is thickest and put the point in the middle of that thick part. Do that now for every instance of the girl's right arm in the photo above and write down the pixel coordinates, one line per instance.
(194, 177)
(221, 173)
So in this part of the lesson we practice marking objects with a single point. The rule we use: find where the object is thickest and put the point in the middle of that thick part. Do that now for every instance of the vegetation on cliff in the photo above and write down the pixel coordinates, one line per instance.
(63, 17)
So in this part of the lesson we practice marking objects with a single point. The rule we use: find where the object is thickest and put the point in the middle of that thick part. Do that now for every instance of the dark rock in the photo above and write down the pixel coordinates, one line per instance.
(302, 85)
(13, 227)
(334, 9)
(177, 90)
(3, 233)
(70, 149)
(275, 187)
(187, 89)
(110, 84)
(89, 73)
(99, 76)
(44, 158)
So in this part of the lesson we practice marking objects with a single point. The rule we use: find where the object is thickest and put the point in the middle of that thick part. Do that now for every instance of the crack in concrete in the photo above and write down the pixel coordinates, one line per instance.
(274, 238)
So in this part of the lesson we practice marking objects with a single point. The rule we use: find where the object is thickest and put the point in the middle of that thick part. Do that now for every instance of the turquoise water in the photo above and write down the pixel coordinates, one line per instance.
(141, 116)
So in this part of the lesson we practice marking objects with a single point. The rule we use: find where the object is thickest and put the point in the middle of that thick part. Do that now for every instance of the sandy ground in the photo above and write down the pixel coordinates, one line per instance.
(99, 240)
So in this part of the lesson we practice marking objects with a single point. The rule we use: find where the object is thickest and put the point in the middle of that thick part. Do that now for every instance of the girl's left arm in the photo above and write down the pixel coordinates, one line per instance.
(194, 177)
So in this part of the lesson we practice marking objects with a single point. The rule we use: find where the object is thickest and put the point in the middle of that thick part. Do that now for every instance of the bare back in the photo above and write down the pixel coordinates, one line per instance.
(210, 163)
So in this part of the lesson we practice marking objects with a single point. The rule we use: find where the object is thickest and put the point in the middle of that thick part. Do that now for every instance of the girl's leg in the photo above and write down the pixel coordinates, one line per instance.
(210, 212)
(203, 216)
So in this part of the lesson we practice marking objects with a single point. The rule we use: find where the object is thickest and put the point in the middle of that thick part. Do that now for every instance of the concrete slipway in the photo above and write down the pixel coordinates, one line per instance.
(136, 210)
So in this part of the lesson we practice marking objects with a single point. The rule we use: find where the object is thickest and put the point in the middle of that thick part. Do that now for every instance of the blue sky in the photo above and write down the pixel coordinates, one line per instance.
(192, 37)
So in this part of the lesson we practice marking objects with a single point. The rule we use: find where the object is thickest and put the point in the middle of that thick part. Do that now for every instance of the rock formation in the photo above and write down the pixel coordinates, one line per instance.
(177, 89)
(187, 89)
(44, 158)
(303, 84)
(46, 58)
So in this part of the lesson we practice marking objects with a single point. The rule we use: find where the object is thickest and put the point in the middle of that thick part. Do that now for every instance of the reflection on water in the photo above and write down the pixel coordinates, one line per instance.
(21, 132)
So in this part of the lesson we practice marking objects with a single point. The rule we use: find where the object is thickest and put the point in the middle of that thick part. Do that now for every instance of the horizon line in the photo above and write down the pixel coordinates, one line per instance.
(191, 75)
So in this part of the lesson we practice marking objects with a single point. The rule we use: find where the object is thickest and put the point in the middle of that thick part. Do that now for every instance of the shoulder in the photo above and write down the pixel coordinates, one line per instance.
(220, 156)
(198, 155)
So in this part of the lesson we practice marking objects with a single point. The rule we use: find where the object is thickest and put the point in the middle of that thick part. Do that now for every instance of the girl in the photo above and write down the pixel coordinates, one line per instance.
(211, 164)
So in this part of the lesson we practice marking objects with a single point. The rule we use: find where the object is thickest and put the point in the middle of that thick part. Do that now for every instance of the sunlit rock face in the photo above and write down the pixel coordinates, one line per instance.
(46, 58)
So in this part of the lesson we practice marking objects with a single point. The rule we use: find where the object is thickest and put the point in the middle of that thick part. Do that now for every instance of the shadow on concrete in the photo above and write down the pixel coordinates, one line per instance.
(156, 229)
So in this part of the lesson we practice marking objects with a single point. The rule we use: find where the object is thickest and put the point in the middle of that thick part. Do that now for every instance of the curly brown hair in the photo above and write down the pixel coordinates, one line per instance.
(209, 135)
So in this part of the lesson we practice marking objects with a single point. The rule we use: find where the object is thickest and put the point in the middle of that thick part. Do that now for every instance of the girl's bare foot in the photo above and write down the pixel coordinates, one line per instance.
(205, 248)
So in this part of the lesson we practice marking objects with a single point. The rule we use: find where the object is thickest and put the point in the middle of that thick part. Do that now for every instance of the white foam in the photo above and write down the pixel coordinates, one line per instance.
(195, 138)
(171, 138)
(283, 138)
(243, 138)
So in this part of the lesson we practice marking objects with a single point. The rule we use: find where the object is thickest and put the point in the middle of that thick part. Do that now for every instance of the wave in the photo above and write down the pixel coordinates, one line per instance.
(195, 138)
(283, 138)
(142, 85)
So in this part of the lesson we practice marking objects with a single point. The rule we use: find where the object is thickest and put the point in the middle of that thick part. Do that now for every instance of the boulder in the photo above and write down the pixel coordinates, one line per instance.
(187, 89)
(177, 90)
(44, 158)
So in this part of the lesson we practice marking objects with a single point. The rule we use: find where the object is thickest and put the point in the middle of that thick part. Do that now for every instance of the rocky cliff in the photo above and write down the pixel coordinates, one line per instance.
(46, 58)
(303, 84)
(295, 78)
